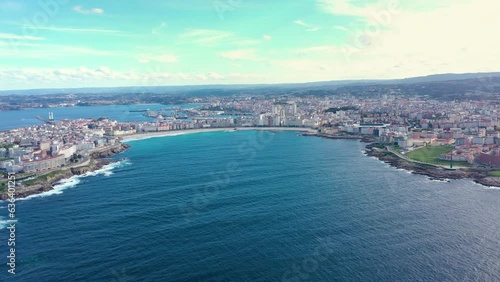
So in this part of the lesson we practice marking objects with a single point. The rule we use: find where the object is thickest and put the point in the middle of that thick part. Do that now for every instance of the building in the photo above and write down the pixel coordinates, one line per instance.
(44, 164)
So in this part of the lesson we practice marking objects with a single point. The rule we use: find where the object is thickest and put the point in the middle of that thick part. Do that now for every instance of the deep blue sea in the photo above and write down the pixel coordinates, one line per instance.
(124, 113)
(256, 206)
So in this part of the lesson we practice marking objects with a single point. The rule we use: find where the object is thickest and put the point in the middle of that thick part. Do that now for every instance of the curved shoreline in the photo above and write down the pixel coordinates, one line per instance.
(99, 159)
(147, 135)
(479, 176)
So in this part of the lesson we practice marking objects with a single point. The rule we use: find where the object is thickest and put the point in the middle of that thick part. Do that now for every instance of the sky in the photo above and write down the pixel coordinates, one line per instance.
(103, 43)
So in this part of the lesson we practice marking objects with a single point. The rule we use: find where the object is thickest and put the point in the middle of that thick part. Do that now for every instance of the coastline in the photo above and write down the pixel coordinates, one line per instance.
(97, 161)
(100, 158)
(477, 175)
(141, 136)
(434, 172)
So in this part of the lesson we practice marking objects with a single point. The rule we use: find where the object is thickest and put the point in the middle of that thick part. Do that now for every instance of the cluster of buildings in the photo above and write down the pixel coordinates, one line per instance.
(471, 127)
(50, 146)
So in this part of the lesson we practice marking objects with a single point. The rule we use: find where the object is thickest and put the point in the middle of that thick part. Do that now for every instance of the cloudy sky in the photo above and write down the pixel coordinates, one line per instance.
(76, 43)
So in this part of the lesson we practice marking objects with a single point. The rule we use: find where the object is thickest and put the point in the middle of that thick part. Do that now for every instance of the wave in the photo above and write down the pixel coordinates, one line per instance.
(73, 181)
(445, 180)
(490, 187)
(404, 170)
(4, 223)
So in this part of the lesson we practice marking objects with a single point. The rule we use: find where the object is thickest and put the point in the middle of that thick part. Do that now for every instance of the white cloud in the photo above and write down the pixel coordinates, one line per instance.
(299, 22)
(320, 49)
(47, 51)
(69, 29)
(104, 76)
(202, 77)
(216, 76)
(80, 50)
(81, 10)
(346, 7)
(408, 43)
(339, 27)
(212, 37)
(267, 37)
(313, 29)
(206, 36)
(243, 54)
(162, 58)
(309, 27)
(19, 37)
(441, 42)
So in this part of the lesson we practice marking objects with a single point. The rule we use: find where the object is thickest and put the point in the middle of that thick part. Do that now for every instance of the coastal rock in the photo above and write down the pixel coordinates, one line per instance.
(108, 152)
(478, 175)
(97, 162)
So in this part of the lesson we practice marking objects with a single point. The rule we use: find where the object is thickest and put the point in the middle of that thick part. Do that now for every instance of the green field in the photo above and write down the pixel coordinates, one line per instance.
(495, 173)
(42, 178)
(430, 154)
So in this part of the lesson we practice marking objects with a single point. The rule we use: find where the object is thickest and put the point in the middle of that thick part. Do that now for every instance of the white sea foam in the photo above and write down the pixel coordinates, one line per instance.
(4, 223)
(438, 180)
(73, 181)
(405, 170)
(490, 188)
(58, 188)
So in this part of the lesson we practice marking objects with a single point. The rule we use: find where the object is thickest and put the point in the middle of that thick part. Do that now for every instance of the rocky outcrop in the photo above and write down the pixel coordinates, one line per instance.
(25, 191)
(98, 160)
(108, 152)
(478, 175)
(94, 164)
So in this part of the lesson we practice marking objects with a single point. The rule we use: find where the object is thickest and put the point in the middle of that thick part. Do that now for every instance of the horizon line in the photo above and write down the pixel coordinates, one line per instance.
(253, 84)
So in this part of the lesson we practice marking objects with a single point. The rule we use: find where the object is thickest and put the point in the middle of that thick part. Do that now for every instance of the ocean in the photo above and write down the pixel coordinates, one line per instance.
(255, 206)
(124, 113)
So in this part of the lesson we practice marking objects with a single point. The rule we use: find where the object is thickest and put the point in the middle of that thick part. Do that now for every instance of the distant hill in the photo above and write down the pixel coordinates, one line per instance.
(469, 79)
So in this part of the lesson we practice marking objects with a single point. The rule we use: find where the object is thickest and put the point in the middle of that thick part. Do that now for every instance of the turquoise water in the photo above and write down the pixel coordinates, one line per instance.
(250, 206)
(24, 118)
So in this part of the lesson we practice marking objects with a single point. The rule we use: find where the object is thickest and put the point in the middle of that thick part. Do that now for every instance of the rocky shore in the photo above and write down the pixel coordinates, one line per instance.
(98, 160)
(478, 175)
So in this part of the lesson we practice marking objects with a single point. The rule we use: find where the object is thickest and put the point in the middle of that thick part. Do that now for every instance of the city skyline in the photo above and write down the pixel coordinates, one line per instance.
(67, 44)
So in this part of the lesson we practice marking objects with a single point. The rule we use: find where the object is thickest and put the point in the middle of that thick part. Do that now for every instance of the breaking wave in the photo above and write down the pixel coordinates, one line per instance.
(73, 181)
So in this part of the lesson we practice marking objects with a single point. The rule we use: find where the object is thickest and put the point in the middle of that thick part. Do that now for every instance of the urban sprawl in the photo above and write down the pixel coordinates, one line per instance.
(470, 128)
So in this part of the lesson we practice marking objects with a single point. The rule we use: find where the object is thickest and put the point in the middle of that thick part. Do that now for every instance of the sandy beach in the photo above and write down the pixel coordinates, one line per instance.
(140, 136)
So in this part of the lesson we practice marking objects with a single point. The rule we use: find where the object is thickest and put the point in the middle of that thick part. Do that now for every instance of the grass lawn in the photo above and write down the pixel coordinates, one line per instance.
(430, 154)
(495, 173)
(42, 178)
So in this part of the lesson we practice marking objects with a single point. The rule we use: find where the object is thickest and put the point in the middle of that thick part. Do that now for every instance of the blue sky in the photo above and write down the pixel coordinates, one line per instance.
(71, 43)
